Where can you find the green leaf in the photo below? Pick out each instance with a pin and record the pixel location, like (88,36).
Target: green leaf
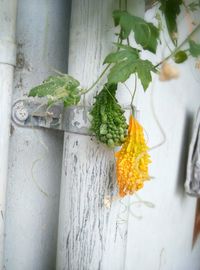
(127,63)
(171,9)
(58,88)
(194,48)
(127,47)
(144,68)
(127,53)
(121,71)
(146,34)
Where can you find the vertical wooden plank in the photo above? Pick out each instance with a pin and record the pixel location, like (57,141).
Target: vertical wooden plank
(35,155)
(89,234)
(7,62)
(89,237)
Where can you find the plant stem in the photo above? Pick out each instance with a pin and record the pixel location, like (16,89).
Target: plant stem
(98,79)
(126,8)
(100,76)
(178,48)
(135,88)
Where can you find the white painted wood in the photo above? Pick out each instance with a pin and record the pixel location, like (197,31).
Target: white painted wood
(90,236)
(162,238)
(35,156)
(88,232)
(7,61)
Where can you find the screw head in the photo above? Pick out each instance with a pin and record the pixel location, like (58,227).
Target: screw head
(20,112)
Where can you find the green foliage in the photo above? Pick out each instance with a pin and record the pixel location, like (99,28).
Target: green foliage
(127,62)
(180,57)
(58,88)
(171,9)
(146,34)
(194,48)
(108,121)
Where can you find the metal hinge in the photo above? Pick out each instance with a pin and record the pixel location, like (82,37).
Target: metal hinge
(33,112)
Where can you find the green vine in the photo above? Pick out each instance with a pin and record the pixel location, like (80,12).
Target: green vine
(121,64)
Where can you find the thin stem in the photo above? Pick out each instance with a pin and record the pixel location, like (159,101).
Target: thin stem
(126,8)
(166,43)
(101,75)
(134,92)
(178,48)
(95,83)
(109,93)
(128,89)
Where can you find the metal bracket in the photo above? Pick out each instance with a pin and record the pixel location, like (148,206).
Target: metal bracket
(33,112)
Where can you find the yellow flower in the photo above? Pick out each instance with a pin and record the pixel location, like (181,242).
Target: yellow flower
(132,160)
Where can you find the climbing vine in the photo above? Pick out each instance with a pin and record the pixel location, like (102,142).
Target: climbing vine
(108,122)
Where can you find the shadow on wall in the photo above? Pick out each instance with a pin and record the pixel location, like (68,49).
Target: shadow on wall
(182,167)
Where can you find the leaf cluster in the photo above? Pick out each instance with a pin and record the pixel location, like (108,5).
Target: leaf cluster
(171,9)
(126,62)
(108,121)
(145,33)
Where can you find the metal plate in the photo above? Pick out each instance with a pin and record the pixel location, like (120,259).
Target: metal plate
(35,112)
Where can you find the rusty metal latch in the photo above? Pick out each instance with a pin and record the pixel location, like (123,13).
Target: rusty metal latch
(33,112)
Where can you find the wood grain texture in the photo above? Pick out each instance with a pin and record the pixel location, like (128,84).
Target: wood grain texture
(35,157)
(90,236)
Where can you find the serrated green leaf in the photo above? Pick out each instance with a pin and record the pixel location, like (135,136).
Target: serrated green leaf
(127,62)
(146,34)
(122,71)
(144,68)
(127,53)
(66,79)
(126,47)
(171,9)
(116,17)
(194,48)
(58,88)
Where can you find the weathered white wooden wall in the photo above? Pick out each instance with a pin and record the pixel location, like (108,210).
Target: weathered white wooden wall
(162,238)
(158,236)
(7,63)
(35,154)
(90,236)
